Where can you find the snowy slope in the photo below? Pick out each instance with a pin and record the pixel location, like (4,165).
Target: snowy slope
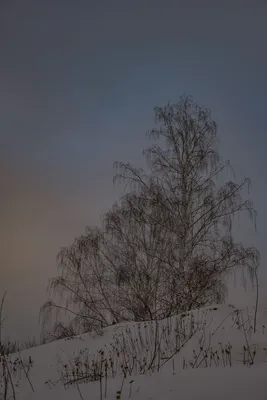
(211,353)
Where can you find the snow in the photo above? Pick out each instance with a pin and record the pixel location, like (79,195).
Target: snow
(222,359)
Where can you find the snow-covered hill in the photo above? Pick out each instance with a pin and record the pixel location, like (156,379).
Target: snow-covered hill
(211,353)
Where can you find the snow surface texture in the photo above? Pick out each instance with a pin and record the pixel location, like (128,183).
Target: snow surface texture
(211,353)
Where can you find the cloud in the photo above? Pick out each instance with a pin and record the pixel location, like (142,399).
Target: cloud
(78,81)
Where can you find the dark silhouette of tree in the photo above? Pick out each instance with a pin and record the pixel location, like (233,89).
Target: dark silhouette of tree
(167,245)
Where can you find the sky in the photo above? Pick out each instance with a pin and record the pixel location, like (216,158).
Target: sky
(78,83)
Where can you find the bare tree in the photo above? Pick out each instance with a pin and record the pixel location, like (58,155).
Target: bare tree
(167,245)
(77,290)
(198,205)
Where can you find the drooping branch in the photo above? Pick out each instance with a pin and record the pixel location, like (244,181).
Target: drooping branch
(167,244)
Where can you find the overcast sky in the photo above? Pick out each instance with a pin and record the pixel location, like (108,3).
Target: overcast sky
(78,83)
